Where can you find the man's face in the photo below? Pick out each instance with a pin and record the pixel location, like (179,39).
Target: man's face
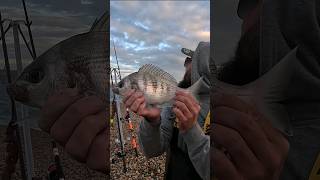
(251,18)
(186,81)
(244,66)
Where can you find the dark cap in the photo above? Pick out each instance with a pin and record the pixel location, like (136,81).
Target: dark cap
(187,52)
(244,6)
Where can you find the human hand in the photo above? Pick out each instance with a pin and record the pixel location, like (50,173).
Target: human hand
(186,109)
(80,125)
(246,145)
(136,102)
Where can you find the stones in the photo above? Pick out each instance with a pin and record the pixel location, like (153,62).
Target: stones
(138,168)
(42,154)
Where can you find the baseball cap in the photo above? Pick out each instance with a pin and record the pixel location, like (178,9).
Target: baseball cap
(244,6)
(189,54)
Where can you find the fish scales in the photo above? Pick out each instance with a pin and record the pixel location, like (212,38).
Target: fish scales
(79,61)
(157,85)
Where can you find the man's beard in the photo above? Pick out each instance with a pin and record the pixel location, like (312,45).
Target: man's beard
(186,81)
(244,67)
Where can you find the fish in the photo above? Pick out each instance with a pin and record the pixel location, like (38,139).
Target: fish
(80,61)
(158,86)
(268,93)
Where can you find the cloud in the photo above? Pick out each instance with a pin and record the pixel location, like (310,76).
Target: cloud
(154,32)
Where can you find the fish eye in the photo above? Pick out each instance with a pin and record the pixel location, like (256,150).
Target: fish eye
(35,76)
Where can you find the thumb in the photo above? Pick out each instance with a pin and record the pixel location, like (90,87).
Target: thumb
(149,113)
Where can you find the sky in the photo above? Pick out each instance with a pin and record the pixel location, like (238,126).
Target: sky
(155,31)
(52,22)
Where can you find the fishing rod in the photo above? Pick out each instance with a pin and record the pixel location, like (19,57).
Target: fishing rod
(119,123)
(117,74)
(13,139)
(115,53)
(15,133)
(28,24)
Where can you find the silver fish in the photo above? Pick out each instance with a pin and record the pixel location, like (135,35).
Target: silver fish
(158,86)
(80,61)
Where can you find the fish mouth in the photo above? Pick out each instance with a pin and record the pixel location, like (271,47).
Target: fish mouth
(19,93)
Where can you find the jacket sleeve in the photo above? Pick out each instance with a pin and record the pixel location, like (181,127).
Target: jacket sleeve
(198,146)
(154,139)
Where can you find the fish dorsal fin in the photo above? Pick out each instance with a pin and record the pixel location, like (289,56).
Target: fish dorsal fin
(157,72)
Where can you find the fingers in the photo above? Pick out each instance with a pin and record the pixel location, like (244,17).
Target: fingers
(99,153)
(188,100)
(84,134)
(142,109)
(130,99)
(55,107)
(64,126)
(238,104)
(179,114)
(222,166)
(243,158)
(186,94)
(76,123)
(137,103)
(256,149)
(184,110)
(128,94)
(246,126)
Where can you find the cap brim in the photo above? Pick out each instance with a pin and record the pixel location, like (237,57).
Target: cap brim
(187,52)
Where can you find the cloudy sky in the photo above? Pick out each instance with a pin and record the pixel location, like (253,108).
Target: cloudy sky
(52,21)
(155,31)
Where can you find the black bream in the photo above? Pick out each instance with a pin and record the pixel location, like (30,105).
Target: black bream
(80,61)
(158,86)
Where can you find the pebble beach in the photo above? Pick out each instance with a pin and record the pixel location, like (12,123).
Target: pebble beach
(137,167)
(140,167)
